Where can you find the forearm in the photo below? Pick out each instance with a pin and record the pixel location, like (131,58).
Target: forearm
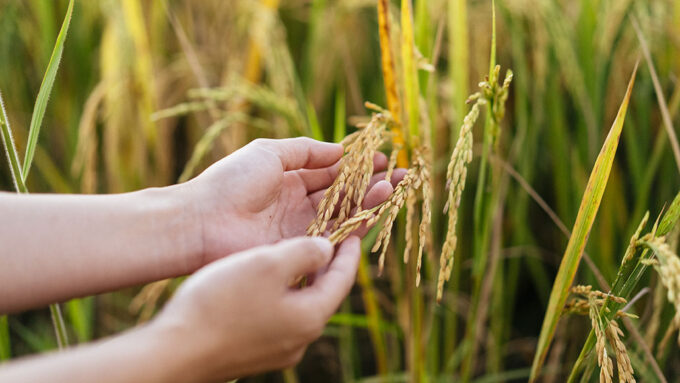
(146,354)
(54,247)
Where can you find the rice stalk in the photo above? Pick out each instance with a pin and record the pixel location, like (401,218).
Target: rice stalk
(630,273)
(456,175)
(584,221)
(591,304)
(663,105)
(390,80)
(423,161)
(410,76)
(667,264)
(459,56)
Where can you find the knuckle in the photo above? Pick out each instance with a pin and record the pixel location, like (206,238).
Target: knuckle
(302,140)
(261,142)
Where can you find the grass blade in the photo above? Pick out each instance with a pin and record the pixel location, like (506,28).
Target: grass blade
(577,242)
(10,149)
(339,128)
(411,86)
(671,217)
(44,93)
(5,345)
(663,105)
(390,79)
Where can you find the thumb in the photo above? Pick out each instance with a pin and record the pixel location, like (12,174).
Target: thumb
(302,152)
(303,255)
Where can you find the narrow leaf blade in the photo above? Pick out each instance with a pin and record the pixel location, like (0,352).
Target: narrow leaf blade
(44,92)
(590,204)
(390,79)
(670,218)
(411,86)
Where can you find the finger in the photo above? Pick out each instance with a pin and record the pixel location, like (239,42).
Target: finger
(397,176)
(377,194)
(302,255)
(316,179)
(302,152)
(332,286)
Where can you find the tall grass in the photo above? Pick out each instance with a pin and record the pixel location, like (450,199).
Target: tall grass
(214,75)
(20,171)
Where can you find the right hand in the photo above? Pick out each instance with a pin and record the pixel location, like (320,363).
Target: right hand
(239,316)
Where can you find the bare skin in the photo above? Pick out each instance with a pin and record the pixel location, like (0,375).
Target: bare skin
(237,315)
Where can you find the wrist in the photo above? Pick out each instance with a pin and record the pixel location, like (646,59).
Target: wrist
(177,227)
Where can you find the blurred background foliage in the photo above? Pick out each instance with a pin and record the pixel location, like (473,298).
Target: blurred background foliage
(146,88)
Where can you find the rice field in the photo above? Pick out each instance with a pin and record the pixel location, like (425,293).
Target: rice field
(534,236)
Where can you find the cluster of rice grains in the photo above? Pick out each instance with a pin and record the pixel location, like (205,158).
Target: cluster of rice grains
(350,186)
(591,302)
(667,264)
(493,95)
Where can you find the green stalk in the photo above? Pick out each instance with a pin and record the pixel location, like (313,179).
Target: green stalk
(590,203)
(483,205)
(339,128)
(5,345)
(372,312)
(15,167)
(458,64)
(411,84)
(628,276)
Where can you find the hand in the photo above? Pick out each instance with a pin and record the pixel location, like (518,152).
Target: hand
(268,191)
(239,315)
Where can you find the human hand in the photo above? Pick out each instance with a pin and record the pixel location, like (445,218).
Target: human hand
(268,191)
(239,315)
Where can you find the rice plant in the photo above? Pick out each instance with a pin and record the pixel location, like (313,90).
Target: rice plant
(534,236)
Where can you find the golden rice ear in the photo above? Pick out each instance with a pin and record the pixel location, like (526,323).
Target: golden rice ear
(623,365)
(424,234)
(592,304)
(392,164)
(411,199)
(667,265)
(354,176)
(456,175)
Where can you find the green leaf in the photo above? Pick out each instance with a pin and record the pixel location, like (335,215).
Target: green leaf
(10,149)
(411,85)
(590,204)
(314,126)
(5,345)
(44,93)
(670,218)
(339,127)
